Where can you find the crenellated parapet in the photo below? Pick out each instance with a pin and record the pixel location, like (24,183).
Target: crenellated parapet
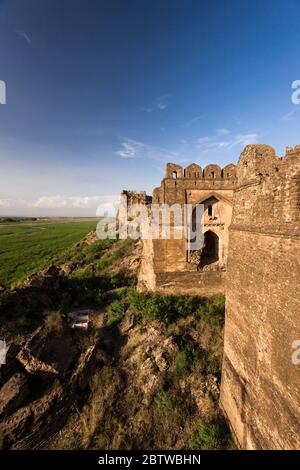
(194,171)
(229,172)
(293,152)
(174,171)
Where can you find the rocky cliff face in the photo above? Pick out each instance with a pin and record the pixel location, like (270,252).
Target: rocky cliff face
(113,386)
(142,375)
(35,401)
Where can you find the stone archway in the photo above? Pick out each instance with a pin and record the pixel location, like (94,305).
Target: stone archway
(210,251)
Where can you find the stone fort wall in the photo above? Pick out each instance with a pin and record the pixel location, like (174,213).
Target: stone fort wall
(260,390)
(173,264)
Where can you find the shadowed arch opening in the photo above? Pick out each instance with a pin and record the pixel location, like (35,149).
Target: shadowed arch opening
(210,252)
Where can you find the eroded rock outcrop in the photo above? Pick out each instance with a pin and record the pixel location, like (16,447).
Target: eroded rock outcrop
(53,368)
(48,353)
(14,393)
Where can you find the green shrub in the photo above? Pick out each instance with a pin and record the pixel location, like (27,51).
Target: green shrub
(189,355)
(213,310)
(122,293)
(93,251)
(166,308)
(110,257)
(214,436)
(117,311)
(83,253)
(213,365)
(120,279)
(85,288)
(164,401)
(181,365)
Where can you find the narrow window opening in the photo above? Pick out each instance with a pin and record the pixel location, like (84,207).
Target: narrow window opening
(209,210)
(174,175)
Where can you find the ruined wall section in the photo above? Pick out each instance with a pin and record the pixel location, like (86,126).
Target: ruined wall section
(147,275)
(260,390)
(193,185)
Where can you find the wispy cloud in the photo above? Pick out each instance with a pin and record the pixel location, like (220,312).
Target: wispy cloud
(61,205)
(134,149)
(24,35)
(214,143)
(223,131)
(159,104)
(204,140)
(50,202)
(244,139)
(290,115)
(63,201)
(215,147)
(6,203)
(191,122)
(130,148)
(162,101)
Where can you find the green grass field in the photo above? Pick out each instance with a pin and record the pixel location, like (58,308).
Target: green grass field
(26,248)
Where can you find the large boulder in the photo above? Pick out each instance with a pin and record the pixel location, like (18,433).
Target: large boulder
(48,353)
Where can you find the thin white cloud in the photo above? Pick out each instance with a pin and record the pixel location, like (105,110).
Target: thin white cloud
(160,104)
(244,139)
(191,121)
(290,115)
(24,35)
(204,140)
(162,101)
(62,201)
(148,110)
(134,149)
(223,131)
(130,148)
(6,203)
(215,144)
(59,205)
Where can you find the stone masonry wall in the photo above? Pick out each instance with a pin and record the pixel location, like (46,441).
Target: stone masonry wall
(260,390)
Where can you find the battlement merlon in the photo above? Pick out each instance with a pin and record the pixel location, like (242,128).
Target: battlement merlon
(194,171)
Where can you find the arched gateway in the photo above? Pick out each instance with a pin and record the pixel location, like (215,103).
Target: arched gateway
(210,252)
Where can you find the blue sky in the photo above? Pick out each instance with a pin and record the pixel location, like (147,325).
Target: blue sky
(101,94)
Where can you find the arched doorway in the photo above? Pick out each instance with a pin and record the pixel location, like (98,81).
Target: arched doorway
(210,251)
